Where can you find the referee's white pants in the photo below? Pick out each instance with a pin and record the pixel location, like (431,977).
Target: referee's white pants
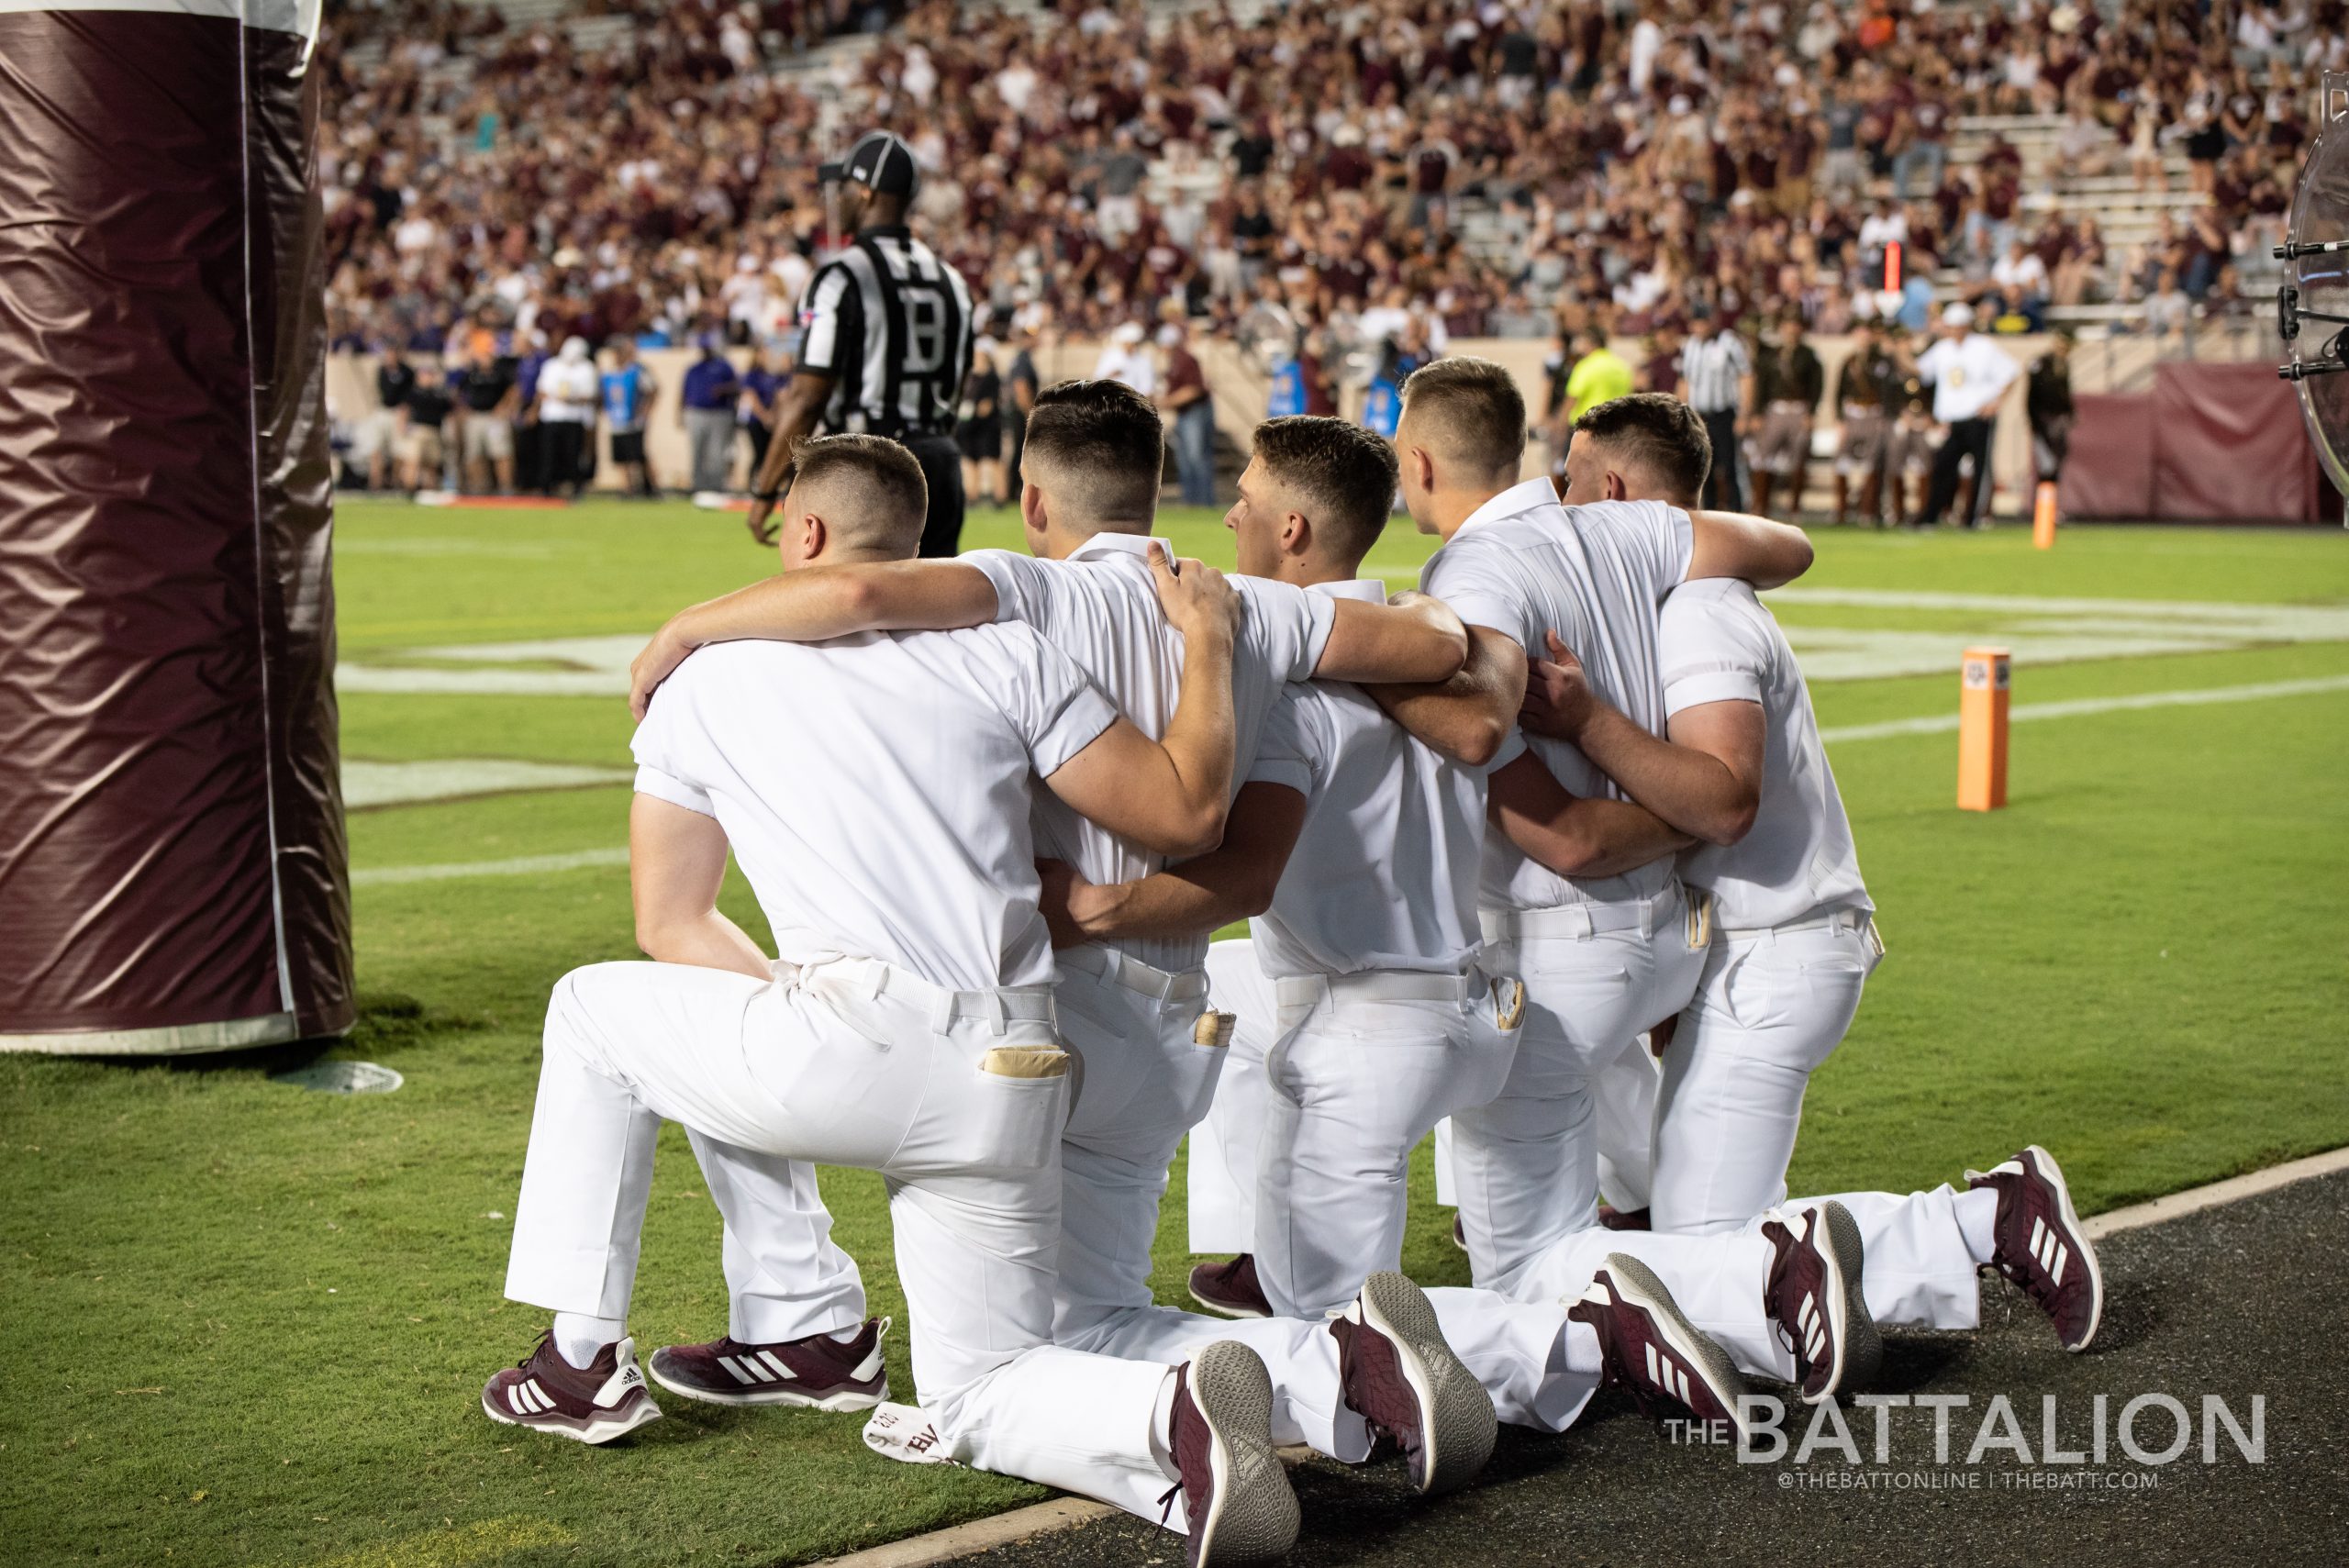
(1525,1164)
(1770,1008)
(957,1098)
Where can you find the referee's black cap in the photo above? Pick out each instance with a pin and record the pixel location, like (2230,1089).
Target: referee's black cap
(879,161)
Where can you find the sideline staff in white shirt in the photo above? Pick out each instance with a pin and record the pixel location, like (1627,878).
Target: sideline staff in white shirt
(877,790)
(1741,768)
(1970,376)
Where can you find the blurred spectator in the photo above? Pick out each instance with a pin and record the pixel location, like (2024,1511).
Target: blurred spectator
(1788,383)
(491,396)
(1969,374)
(2047,400)
(568,391)
(1021,385)
(979,427)
(394,382)
(1717,381)
(423,414)
(1187,399)
(769,373)
(628,389)
(1126,358)
(1867,384)
(706,409)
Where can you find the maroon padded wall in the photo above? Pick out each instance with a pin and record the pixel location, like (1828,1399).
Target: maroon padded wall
(172,868)
(2209,443)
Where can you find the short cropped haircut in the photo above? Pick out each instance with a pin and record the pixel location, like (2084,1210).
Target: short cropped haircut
(882,495)
(1658,433)
(1100,445)
(1343,472)
(1472,410)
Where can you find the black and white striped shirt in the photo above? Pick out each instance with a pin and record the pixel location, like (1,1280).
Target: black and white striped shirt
(1713,367)
(891,324)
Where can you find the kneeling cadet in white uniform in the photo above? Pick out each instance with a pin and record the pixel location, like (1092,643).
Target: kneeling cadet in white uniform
(1356,849)
(877,791)
(1134,1012)
(1740,768)
(1578,895)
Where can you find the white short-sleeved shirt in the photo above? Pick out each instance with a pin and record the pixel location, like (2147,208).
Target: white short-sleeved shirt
(876,788)
(1969,375)
(1100,608)
(1384,874)
(1524,564)
(1720,645)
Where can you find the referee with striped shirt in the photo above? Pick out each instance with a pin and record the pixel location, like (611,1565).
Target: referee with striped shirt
(1717,381)
(886,344)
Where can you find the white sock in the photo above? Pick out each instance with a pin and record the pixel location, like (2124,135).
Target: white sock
(1583,1352)
(1978,1221)
(578,1337)
(1162,1428)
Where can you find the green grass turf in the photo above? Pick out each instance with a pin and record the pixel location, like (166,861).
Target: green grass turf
(250,1324)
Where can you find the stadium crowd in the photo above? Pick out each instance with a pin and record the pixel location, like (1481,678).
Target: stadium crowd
(1742,156)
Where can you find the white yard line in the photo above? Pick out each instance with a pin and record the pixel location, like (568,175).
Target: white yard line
(534,865)
(526,865)
(1935,724)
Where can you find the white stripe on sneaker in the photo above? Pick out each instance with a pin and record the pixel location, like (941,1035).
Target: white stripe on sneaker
(1655,1372)
(741,1374)
(782,1369)
(2056,1270)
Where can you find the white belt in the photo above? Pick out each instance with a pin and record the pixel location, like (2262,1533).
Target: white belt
(1147,979)
(873,978)
(1381,985)
(1833,920)
(1578,922)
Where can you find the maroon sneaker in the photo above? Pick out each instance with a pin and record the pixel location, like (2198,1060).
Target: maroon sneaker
(1458,1231)
(1399,1375)
(2042,1246)
(818,1373)
(1813,1294)
(591,1404)
(1624,1218)
(1230,1290)
(1236,1497)
(1650,1351)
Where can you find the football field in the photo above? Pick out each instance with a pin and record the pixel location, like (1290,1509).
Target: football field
(264,1315)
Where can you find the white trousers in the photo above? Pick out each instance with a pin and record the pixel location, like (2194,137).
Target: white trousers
(954,1097)
(1623,1096)
(1768,1011)
(1355,1079)
(1526,1163)
(1144,1079)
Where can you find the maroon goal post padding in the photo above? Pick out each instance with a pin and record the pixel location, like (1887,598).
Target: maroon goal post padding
(172,868)
(2209,443)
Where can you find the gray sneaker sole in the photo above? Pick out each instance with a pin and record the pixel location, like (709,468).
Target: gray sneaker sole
(1253,1516)
(1637,1284)
(1864,1349)
(1457,1426)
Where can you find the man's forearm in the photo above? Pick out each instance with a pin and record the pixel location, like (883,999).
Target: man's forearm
(1689,790)
(709,941)
(1591,838)
(1202,735)
(1468,717)
(1196,898)
(815,603)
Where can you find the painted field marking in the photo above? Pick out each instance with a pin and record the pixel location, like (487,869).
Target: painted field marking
(524,865)
(2041,631)
(1935,724)
(366,783)
(531,865)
